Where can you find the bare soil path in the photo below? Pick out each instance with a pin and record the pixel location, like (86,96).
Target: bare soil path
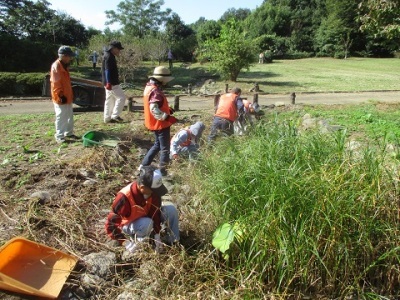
(44,105)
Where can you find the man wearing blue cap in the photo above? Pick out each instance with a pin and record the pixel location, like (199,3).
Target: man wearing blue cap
(62,95)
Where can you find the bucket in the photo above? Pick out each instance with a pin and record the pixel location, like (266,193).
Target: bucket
(30,268)
(97,138)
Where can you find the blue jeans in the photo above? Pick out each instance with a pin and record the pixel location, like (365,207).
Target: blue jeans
(161,145)
(220,124)
(142,227)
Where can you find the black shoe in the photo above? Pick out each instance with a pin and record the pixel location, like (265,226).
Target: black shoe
(163,172)
(73,137)
(119,119)
(112,121)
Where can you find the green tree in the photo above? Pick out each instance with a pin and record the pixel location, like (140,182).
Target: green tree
(181,38)
(381,17)
(138,17)
(238,14)
(231,51)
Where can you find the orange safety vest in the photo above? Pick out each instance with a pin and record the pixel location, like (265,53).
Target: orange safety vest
(150,122)
(60,83)
(227,107)
(187,142)
(137,211)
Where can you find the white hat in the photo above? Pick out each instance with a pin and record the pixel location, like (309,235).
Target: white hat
(162,74)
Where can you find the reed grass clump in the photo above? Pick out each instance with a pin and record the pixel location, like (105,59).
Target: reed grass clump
(317,218)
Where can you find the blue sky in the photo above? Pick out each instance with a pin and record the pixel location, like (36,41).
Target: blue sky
(91,12)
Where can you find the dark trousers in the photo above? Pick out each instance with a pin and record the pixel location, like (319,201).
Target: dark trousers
(161,144)
(220,124)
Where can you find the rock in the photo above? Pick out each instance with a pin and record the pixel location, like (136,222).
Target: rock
(100,264)
(90,281)
(43,197)
(90,182)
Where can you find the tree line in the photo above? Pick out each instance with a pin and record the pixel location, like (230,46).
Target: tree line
(30,32)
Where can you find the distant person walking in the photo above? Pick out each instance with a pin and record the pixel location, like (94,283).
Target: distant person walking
(261,58)
(95,57)
(170,57)
(62,95)
(115,97)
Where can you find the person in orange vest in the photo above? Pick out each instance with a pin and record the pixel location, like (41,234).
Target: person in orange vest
(185,143)
(245,117)
(62,95)
(137,213)
(229,105)
(158,117)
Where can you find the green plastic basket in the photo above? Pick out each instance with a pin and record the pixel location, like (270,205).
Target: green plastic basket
(97,138)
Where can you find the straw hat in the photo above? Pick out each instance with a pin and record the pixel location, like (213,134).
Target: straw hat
(162,74)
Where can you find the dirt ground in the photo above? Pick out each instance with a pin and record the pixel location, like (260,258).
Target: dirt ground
(18,106)
(60,196)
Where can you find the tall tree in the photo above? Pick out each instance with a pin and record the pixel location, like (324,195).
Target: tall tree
(381,18)
(238,14)
(138,17)
(181,38)
(231,51)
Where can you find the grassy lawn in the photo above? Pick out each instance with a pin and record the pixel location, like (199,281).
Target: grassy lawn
(284,76)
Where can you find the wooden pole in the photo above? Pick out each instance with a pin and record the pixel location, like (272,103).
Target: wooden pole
(130,104)
(226,88)
(176,103)
(216,101)
(255,98)
(293,97)
(189,89)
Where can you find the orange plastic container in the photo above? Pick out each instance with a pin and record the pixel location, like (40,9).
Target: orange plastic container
(34,269)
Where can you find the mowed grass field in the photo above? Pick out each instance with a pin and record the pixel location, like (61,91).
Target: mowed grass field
(322,75)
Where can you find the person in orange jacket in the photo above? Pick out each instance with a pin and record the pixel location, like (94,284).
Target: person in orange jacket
(137,213)
(62,95)
(158,117)
(229,105)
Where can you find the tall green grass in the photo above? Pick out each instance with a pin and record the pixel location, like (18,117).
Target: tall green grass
(317,218)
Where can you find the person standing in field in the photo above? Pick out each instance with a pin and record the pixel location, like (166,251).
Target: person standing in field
(229,105)
(115,97)
(158,117)
(170,58)
(95,56)
(62,95)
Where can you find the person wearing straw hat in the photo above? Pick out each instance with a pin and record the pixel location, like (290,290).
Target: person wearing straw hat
(185,143)
(137,213)
(158,117)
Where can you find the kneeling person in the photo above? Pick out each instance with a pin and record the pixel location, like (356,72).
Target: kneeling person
(137,212)
(185,143)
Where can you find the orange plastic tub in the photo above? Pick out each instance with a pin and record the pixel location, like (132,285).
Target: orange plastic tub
(34,269)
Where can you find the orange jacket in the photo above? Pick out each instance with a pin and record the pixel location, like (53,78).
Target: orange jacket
(150,122)
(60,83)
(227,108)
(130,205)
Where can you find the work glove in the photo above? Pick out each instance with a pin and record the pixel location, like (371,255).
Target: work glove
(63,99)
(108,86)
(171,111)
(171,119)
(158,243)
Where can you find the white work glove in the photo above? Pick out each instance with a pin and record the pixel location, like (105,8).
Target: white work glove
(130,245)
(159,245)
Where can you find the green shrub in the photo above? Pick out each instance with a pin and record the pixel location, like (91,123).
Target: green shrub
(21,84)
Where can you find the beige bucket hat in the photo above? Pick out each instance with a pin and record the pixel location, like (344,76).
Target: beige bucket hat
(162,74)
